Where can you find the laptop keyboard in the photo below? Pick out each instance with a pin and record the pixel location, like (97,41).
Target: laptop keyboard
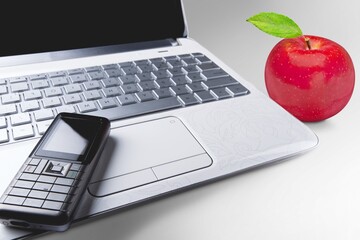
(116,91)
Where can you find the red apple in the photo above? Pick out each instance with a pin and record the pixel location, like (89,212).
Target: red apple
(310,76)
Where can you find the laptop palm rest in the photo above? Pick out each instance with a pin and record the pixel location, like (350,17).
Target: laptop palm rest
(147,152)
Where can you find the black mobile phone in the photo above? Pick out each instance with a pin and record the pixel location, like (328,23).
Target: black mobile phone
(46,191)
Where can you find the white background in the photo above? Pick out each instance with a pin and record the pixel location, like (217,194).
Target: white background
(313,196)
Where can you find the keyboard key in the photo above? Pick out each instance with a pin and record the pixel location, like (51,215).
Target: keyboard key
(111,92)
(97,75)
(3,89)
(126,99)
(145,76)
(10,98)
(4,135)
(114,72)
(219,82)
(20,118)
(131,78)
(214,73)
(195,77)
(187,99)
(23,131)
(204,96)
(162,93)
(73,88)
(8,109)
(43,114)
(40,84)
(78,78)
(38,76)
(110,82)
(107,103)
(57,74)
(91,85)
(51,92)
(66,108)
(129,88)
(33,94)
(51,102)
(87,107)
(146,86)
(178,90)
(237,90)
(195,87)
(144,96)
(220,93)
(92,95)
(28,106)
(3,123)
(17,79)
(72,98)
(19,87)
(59,81)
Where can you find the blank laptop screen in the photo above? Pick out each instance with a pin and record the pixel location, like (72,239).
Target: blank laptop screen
(41,26)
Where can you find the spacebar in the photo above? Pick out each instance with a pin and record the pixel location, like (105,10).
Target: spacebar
(138,108)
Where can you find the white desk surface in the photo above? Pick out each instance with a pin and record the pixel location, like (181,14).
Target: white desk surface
(312,196)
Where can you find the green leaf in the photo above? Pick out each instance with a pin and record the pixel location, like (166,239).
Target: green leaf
(275,24)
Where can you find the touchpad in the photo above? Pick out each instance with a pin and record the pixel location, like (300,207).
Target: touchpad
(146,152)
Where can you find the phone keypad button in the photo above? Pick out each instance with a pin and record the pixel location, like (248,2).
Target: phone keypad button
(38,194)
(46,179)
(14,200)
(40,167)
(64,181)
(61,189)
(71,174)
(19,192)
(24,184)
(32,202)
(42,186)
(52,205)
(34,161)
(30,169)
(29,177)
(57,197)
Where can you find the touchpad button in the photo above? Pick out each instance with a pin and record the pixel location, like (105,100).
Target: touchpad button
(164,146)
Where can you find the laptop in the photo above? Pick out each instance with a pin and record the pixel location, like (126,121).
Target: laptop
(180,117)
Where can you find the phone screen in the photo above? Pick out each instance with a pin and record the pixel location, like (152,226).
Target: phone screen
(69,139)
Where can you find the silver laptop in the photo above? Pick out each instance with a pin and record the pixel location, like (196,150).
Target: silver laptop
(179,116)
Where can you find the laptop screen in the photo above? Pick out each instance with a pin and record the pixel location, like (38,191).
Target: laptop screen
(43,26)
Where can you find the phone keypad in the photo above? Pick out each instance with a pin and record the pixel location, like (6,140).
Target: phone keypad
(45,184)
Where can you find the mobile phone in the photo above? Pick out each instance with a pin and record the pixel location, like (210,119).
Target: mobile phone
(45,192)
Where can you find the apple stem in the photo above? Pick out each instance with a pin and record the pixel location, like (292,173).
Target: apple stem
(307,40)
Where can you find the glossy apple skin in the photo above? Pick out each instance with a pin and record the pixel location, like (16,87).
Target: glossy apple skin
(312,84)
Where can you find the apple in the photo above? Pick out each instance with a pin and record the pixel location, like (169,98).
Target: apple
(311,77)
